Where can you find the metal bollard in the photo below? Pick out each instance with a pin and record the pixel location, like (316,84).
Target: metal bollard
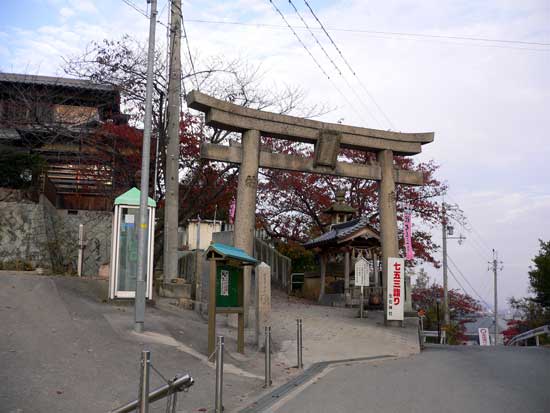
(267,357)
(299,342)
(219,375)
(144,382)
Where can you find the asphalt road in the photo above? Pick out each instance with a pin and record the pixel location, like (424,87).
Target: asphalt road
(61,352)
(441,379)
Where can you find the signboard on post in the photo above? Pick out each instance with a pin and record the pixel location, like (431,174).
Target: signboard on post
(396,295)
(484,337)
(361,272)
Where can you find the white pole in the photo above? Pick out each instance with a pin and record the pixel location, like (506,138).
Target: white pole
(80,249)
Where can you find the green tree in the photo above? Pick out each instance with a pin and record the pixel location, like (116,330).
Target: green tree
(539,276)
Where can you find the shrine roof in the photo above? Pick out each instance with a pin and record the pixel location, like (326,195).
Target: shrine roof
(343,232)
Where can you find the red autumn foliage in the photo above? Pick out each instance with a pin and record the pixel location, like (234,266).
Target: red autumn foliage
(290,204)
(515,327)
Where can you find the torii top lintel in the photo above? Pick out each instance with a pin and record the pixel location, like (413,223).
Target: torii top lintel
(229,116)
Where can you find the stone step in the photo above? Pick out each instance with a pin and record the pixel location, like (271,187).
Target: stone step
(176,290)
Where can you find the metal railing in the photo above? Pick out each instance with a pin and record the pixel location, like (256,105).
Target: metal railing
(141,404)
(536,332)
(442,335)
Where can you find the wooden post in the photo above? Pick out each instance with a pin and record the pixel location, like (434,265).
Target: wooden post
(347,293)
(323,275)
(212,308)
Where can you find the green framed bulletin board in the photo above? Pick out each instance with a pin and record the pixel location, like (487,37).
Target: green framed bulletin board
(226,288)
(229,283)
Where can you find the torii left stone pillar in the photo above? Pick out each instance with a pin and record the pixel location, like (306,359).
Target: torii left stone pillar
(245,214)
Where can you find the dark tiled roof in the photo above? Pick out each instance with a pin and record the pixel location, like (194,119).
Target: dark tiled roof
(55,81)
(340,231)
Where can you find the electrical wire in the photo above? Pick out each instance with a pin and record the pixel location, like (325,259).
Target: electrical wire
(313,58)
(466,280)
(384,33)
(357,96)
(350,68)
(188,47)
(299,39)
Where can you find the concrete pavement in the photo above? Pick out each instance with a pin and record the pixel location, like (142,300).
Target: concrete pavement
(63,350)
(441,379)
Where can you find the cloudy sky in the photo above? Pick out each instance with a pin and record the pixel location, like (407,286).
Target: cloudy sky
(487,101)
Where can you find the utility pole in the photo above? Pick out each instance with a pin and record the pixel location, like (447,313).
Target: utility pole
(171,208)
(494,265)
(447,230)
(446,315)
(143,230)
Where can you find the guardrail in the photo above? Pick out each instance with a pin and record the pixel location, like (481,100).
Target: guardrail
(443,338)
(536,332)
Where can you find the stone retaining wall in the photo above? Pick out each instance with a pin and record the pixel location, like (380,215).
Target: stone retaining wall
(47,237)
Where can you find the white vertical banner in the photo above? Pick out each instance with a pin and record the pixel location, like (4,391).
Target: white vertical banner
(396,294)
(484,337)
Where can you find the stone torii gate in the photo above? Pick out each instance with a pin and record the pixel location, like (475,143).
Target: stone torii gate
(328,138)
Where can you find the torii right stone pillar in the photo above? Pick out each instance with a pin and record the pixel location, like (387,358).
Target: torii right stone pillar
(388,218)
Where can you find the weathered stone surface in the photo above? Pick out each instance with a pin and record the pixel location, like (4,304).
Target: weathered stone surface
(387,208)
(327,148)
(238,123)
(245,213)
(263,301)
(232,154)
(47,237)
(287,125)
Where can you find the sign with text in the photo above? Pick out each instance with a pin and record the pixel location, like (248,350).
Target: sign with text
(224,283)
(484,337)
(396,295)
(361,272)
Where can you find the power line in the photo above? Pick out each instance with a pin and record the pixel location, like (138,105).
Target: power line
(401,34)
(143,12)
(329,37)
(315,37)
(349,66)
(481,242)
(136,8)
(332,61)
(313,58)
(468,282)
(188,47)
(184,35)
(299,39)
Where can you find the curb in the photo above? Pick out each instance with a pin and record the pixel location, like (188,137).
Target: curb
(273,397)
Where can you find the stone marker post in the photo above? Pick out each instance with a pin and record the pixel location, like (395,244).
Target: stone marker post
(263,301)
